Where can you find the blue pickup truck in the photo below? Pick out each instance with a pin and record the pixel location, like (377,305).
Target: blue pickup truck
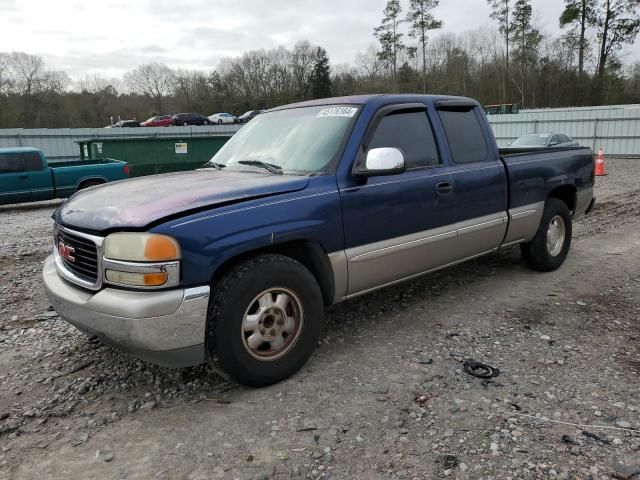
(26,176)
(308,205)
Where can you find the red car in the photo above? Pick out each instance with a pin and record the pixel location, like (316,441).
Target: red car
(160,121)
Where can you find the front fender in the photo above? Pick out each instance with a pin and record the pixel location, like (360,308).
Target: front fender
(211,238)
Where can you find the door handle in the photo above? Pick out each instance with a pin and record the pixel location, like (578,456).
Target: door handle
(444,188)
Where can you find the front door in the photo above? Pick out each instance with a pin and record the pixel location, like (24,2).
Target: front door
(400,225)
(14,181)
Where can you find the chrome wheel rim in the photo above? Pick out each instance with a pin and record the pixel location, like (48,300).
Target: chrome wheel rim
(555,235)
(272,324)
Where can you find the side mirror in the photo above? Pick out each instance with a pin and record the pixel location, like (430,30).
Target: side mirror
(553,144)
(382,161)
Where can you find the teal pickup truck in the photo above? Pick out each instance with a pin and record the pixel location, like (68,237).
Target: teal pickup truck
(26,176)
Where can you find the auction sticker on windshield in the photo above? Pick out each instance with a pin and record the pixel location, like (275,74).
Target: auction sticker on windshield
(337,112)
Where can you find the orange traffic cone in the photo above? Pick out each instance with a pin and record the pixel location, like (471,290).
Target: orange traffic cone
(600,172)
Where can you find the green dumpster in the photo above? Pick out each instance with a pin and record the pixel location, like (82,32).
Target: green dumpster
(153,155)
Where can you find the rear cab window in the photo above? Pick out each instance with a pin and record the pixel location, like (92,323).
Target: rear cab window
(11,163)
(410,132)
(465,136)
(32,161)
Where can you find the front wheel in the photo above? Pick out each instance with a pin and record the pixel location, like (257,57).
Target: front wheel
(264,320)
(550,246)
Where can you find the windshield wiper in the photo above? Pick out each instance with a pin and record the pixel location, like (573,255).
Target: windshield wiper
(260,164)
(217,166)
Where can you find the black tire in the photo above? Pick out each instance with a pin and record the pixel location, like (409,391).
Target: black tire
(219,122)
(185,124)
(90,183)
(536,253)
(234,296)
(206,122)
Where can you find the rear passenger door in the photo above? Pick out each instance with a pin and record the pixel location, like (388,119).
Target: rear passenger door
(479,179)
(14,182)
(400,225)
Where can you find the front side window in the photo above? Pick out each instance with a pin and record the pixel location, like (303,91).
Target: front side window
(11,163)
(411,133)
(296,140)
(465,136)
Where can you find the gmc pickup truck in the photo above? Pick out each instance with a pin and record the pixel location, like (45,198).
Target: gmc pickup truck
(308,205)
(26,176)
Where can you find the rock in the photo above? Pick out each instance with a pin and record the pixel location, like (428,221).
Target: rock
(4,415)
(623,424)
(148,405)
(545,337)
(83,387)
(448,433)
(359,439)
(575,450)
(463,467)
(581,303)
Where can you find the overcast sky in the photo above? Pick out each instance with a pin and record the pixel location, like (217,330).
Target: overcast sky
(109,37)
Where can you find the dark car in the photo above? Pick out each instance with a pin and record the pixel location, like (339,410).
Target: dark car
(126,124)
(543,140)
(190,119)
(159,121)
(248,116)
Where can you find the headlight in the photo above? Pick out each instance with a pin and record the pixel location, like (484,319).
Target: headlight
(142,260)
(141,247)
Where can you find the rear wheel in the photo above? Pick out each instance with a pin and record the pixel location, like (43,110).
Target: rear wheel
(549,248)
(185,123)
(264,319)
(220,122)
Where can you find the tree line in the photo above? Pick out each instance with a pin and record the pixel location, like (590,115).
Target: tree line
(512,62)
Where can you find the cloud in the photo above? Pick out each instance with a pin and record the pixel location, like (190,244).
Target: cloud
(112,37)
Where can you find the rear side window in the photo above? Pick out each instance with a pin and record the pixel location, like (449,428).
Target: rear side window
(11,163)
(465,136)
(411,133)
(32,161)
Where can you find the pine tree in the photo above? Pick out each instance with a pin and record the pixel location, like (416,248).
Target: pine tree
(525,40)
(580,15)
(501,10)
(321,75)
(390,39)
(421,21)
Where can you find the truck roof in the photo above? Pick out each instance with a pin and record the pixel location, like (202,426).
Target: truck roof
(19,149)
(379,98)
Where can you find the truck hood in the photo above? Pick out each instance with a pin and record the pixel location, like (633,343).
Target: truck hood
(136,203)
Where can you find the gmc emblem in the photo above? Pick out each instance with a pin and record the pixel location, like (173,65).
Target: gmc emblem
(66,252)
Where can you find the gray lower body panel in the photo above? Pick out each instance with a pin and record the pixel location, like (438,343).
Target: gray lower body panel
(163,327)
(365,268)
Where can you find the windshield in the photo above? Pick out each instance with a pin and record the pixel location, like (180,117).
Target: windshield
(297,140)
(532,140)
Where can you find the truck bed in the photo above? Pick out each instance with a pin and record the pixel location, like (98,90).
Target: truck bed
(533,172)
(82,163)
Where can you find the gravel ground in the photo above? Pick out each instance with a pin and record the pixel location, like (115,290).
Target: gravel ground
(384,396)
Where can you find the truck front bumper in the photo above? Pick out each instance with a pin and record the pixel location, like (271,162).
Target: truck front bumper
(163,327)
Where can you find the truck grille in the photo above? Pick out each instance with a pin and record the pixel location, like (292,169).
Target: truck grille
(85,255)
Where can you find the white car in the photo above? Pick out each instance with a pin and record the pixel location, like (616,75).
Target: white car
(223,119)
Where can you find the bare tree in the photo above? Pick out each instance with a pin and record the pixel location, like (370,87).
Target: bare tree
(28,73)
(154,80)
(5,73)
